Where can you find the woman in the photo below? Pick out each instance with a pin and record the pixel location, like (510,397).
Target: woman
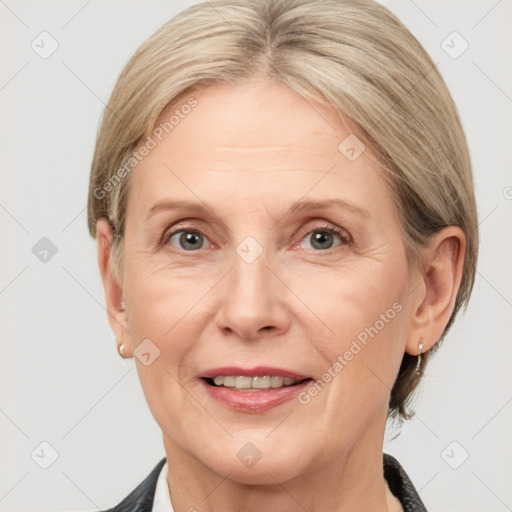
(283,203)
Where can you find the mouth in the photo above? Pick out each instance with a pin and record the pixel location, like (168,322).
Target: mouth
(253,390)
(246,383)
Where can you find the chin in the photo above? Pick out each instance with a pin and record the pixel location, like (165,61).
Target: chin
(262,473)
(248,464)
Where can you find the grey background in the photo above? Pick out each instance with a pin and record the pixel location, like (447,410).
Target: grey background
(62,381)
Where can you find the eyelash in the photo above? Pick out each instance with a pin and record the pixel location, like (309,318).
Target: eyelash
(345,238)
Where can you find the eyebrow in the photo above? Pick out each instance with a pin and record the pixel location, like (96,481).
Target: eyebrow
(299,206)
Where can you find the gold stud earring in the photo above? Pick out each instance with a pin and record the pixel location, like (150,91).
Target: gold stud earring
(121,351)
(418,363)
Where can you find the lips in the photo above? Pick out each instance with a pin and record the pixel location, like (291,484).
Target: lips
(252,390)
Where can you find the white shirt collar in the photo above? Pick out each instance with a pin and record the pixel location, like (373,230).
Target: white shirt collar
(162,500)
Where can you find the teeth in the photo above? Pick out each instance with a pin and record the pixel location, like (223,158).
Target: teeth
(276,382)
(243,383)
(261,382)
(228,381)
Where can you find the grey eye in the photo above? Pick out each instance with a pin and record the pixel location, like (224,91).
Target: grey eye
(187,240)
(322,239)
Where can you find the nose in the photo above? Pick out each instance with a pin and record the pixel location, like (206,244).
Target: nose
(253,299)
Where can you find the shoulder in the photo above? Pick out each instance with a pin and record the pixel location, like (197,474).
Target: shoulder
(141,498)
(401,486)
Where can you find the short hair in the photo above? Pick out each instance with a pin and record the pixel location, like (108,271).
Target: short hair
(351,55)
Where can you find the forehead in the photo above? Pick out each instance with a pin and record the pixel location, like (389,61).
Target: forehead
(261,138)
(256,117)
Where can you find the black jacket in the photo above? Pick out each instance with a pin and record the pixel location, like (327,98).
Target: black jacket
(141,498)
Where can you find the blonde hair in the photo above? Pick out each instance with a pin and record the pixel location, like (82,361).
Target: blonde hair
(352,55)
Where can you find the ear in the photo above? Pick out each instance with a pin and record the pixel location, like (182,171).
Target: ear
(434,299)
(113,290)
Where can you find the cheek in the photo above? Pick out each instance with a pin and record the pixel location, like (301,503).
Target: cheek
(366,311)
(164,299)
(168,315)
(166,321)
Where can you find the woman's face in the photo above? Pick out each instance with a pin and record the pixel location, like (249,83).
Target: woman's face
(257,246)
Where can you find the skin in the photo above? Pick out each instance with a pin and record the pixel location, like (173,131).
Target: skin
(250,153)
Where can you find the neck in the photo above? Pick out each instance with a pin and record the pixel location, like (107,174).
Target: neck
(338,483)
